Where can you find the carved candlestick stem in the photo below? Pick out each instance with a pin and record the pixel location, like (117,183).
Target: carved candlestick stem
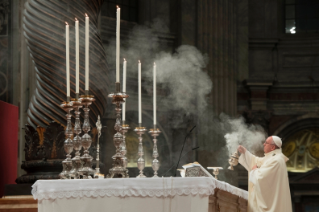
(125,129)
(77,145)
(68,143)
(86,159)
(155,164)
(140,161)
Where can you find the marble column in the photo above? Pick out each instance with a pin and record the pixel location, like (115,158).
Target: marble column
(217,37)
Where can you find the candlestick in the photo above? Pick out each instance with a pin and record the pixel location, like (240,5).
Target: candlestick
(87,46)
(140,161)
(154,93)
(99,128)
(139,93)
(67,63)
(155,164)
(77,141)
(118,20)
(86,139)
(77,59)
(125,128)
(118,170)
(124,89)
(68,143)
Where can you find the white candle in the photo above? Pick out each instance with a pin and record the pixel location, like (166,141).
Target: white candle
(77,60)
(67,56)
(118,20)
(154,93)
(139,93)
(124,89)
(87,46)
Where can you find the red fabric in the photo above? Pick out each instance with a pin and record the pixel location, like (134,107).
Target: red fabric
(9,118)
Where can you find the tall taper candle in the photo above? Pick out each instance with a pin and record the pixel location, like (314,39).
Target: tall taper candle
(139,93)
(67,56)
(154,93)
(124,89)
(87,46)
(77,57)
(118,20)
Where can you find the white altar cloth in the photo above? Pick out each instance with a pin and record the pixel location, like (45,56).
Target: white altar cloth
(132,194)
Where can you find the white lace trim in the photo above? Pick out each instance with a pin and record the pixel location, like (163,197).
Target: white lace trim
(117,193)
(58,189)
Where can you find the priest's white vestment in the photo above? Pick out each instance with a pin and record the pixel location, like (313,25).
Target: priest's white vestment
(268,185)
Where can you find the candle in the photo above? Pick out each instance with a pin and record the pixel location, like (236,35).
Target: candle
(87,42)
(118,20)
(77,60)
(139,93)
(124,89)
(154,93)
(67,56)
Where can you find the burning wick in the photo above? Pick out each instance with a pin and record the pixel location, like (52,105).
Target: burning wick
(76,19)
(117,7)
(86,15)
(66,23)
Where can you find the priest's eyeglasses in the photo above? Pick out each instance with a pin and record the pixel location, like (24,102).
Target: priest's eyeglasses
(269,143)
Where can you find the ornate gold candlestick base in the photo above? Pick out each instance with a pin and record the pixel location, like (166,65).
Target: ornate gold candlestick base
(86,139)
(155,164)
(118,170)
(68,143)
(140,161)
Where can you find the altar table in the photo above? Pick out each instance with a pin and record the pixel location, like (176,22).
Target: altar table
(130,194)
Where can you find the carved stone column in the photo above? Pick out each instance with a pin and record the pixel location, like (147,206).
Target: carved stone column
(217,37)
(44,30)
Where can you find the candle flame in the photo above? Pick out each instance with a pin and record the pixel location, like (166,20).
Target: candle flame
(86,15)
(66,23)
(117,7)
(139,61)
(76,19)
(124,59)
(154,64)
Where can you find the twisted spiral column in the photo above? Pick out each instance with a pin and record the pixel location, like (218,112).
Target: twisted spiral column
(44,30)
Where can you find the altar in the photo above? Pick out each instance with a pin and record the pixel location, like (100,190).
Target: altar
(139,194)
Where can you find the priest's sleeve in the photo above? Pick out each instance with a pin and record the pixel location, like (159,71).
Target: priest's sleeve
(247,160)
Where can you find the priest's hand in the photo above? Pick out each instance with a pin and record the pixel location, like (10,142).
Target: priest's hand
(254,167)
(241,149)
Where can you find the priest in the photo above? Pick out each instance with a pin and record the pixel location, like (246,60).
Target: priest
(268,185)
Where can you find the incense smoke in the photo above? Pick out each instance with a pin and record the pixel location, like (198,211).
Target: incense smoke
(186,85)
(249,136)
(180,73)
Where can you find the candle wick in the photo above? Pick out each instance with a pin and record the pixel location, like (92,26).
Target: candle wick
(66,23)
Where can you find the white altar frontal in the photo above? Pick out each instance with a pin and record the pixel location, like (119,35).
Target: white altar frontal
(138,194)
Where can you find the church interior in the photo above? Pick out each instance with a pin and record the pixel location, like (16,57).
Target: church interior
(242,68)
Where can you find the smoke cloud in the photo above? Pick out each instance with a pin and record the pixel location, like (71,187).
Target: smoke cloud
(180,73)
(239,133)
